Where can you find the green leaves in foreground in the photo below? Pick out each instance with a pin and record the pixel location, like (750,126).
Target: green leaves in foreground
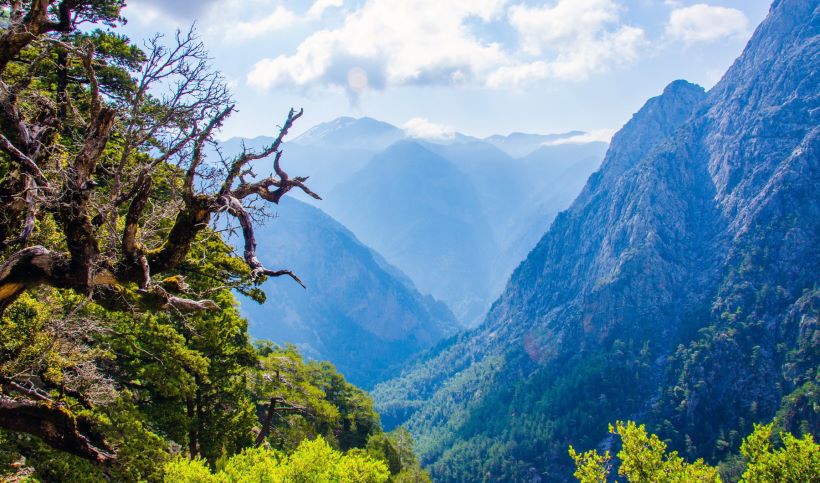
(798,460)
(312,461)
(644,459)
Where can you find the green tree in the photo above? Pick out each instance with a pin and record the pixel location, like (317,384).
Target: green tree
(109,261)
(643,459)
(797,460)
(396,450)
(313,461)
(590,466)
(301,400)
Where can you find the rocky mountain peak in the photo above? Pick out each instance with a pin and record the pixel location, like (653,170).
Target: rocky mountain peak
(657,120)
(668,293)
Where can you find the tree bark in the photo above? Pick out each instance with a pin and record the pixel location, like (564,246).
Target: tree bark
(56,426)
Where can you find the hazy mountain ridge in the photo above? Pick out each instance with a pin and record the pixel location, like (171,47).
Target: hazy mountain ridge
(422,213)
(680,288)
(505,205)
(465,258)
(358,312)
(351,133)
(519,144)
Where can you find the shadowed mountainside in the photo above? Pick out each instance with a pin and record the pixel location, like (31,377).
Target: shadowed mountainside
(679,289)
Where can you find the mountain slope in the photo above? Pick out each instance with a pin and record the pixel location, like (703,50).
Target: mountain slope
(458,217)
(521,196)
(423,215)
(357,312)
(515,198)
(679,289)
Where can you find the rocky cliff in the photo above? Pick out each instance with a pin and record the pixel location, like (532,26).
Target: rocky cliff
(679,289)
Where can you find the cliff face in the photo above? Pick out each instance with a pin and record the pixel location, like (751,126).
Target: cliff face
(680,288)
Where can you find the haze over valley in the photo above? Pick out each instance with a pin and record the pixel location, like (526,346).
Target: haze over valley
(410,241)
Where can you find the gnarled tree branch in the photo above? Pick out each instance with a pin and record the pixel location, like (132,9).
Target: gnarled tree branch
(235,208)
(56,426)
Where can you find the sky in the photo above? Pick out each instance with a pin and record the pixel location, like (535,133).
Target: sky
(479,67)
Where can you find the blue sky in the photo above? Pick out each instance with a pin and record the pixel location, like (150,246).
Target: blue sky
(475,66)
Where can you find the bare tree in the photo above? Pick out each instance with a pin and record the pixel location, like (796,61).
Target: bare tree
(122,173)
(172,127)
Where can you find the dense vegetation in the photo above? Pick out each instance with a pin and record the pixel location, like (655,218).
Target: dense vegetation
(643,458)
(667,293)
(122,353)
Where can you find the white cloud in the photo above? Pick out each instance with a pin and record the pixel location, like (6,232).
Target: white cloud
(705,23)
(599,135)
(319,7)
(566,22)
(401,42)
(395,42)
(279,19)
(421,128)
(178,9)
(573,39)
(513,75)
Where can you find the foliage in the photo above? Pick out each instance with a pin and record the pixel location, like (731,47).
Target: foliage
(396,450)
(310,399)
(798,460)
(643,459)
(195,384)
(313,460)
(590,466)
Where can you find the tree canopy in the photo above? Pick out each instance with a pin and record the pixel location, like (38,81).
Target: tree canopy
(107,189)
(643,459)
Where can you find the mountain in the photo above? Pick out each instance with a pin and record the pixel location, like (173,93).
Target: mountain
(502,215)
(468,230)
(456,138)
(519,144)
(679,289)
(521,196)
(351,133)
(357,311)
(423,214)
(329,152)
(504,206)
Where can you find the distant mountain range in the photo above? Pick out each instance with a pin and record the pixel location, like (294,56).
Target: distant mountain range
(520,197)
(456,215)
(680,289)
(424,215)
(358,311)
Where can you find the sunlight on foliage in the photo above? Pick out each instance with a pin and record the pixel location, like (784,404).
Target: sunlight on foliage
(312,461)
(798,460)
(643,459)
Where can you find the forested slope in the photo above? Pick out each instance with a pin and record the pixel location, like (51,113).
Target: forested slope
(679,289)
